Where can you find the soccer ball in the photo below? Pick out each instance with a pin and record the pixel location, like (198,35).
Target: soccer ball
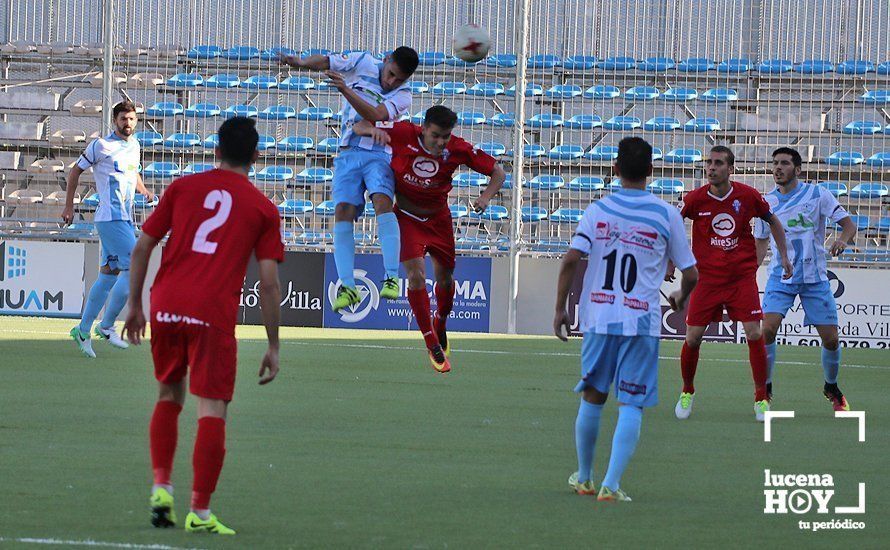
(471,43)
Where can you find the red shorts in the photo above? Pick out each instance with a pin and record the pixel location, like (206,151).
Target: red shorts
(433,234)
(208,355)
(740,298)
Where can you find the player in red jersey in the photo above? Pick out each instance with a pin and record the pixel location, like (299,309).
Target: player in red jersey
(424,159)
(215,220)
(724,248)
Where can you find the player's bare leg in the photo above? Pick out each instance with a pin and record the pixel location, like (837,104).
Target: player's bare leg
(390,244)
(587,425)
(688,365)
(759,369)
(831,362)
(163,435)
(444,302)
(420,306)
(207,461)
(344,255)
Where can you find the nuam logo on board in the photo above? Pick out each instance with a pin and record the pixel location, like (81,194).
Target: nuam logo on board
(809,493)
(14,265)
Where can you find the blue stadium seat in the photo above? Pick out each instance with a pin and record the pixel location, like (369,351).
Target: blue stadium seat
(148,139)
(259,82)
(365,239)
(884,68)
(664,186)
(185,80)
(161,170)
(845,158)
(470,118)
(678,94)
(546,183)
(242,53)
(622,122)
(869,191)
(683,156)
(165,109)
(417,118)
(211,141)
(836,188)
(563,91)
(487,89)
(197,168)
(472,244)
(278,112)
(315,51)
(617,63)
(567,215)
(292,208)
(502,119)
(862,222)
(876,97)
(508,181)
(141,202)
(614,185)
(90,203)
(315,113)
(566,152)
(602,153)
(879,160)
(469,179)
(459,211)
(182,140)
(275,173)
(203,110)
(586,184)
(325,208)
(657,64)
(315,175)
(272,54)
(657,154)
(493,148)
(533,151)
(265,142)
(312,237)
(695,65)
(532,214)
(720,95)
(295,144)
(641,93)
(240,110)
(301,83)
(584,122)
(551,245)
(775,66)
(503,60)
(493,213)
(545,120)
(224,80)
(661,124)
(815,66)
(855,66)
(579,63)
(383,54)
(544,61)
(703,124)
(734,65)
(458,62)
(418,87)
(449,88)
(204,52)
(328,146)
(863,127)
(431,59)
(83,228)
(531,90)
(602,92)
(883,226)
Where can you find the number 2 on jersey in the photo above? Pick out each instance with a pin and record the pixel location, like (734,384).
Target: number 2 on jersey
(213,198)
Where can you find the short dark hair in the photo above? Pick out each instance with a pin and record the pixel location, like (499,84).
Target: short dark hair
(238,139)
(730,156)
(634,158)
(795,156)
(123,107)
(406,58)
(441,116)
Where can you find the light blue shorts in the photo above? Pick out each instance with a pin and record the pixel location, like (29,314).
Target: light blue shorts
(358,170)
(117,239)
(817,300)
(630,361)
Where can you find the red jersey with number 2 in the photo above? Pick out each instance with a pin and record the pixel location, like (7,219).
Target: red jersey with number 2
(216,219)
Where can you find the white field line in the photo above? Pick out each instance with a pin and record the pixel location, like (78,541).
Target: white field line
(93,543)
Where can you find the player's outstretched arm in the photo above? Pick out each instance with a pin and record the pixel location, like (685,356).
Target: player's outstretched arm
(364,109)
(778,233)
(71,181)
(498,177)
(367,129)
(567,269)
(312,62)
(848,232)
(270,304)
(688,280)
(134,326)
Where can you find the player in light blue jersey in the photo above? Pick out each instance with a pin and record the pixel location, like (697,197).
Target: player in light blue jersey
(115,163)
(372,90)
(805,210)
(629,237)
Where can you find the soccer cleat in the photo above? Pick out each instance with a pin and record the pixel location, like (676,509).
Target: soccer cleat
(111,336)
(390,289)
(760,409)
(83,342)
(346,296)
(586,488)
(438,360)
(834,394)
(194,524)
(684,405)
(615,496)
(441,334)
(162,514)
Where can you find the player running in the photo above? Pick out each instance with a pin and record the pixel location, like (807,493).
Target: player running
(115,163)
(721,214)
(215,220)
(803,209)
(629,236)
(424,159)
(372,90)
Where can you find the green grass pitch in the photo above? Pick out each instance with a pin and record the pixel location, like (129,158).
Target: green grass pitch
(360,444)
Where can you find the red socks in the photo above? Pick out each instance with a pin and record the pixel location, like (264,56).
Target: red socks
(207,462)
(757,355)
(162,433)
(688,364)
(444,302)
(420,305)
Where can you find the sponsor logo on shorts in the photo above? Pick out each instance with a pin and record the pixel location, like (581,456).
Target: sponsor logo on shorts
(164,317)
(631,388)
(756,312)
(602,298)
(633,303)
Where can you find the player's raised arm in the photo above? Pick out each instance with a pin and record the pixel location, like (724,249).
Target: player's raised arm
(310,63)
(270,305)
(365,128)
(134,327)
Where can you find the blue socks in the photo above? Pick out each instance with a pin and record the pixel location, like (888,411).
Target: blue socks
(95,301)
(118,299)
(624,443)
(344,252)
(771,361)
(831,363)
(390,244)
(587,426)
